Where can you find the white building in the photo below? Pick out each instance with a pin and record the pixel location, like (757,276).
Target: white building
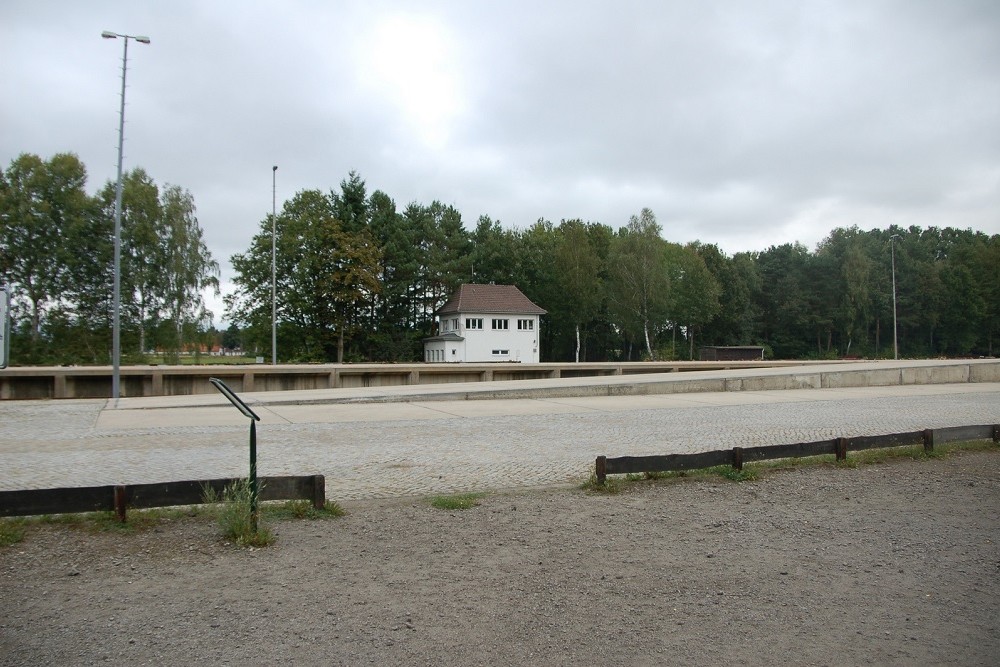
(486,323)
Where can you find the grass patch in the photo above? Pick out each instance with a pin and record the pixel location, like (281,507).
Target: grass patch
(303,509)
(11,531)
(610,485)
(460,501)
(748,474)
(231,509)
(234,516)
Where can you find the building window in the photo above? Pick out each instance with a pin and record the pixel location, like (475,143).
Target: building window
(501,325)
(473,323)
(501,352)
(526,325)
(454,324)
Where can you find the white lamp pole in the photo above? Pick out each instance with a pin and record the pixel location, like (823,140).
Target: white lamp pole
(116,351)
(274,285)
(895,340)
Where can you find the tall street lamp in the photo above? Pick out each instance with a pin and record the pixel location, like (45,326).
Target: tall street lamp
(116,352)
(895,340)
(274,285)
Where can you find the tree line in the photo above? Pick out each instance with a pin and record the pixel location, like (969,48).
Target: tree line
(57,256)
(359,278)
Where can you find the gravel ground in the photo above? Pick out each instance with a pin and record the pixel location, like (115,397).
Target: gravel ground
(889,564)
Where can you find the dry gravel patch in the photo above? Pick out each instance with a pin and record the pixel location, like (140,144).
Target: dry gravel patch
(888,564)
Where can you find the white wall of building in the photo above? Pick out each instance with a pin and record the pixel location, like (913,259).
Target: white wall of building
(488,337)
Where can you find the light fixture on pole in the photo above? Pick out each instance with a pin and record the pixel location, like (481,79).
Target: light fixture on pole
(895,341)
(116,351)
(274,285)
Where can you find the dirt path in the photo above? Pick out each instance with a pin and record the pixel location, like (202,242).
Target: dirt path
(892,564)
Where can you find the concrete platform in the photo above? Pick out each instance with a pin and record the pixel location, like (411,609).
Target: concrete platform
(860,374)
(427,439)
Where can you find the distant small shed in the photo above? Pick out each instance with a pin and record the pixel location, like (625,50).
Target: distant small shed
(731,353)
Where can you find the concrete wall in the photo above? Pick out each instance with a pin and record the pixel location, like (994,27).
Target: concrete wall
(95,382)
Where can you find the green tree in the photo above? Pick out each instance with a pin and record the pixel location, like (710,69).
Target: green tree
(786,300)
(694,291)
(232,338)
(42,204)
(188,268)
(639,283)
(577,269)
(494,253)
(848,271)
(142,250)
(737,321)
(325,277)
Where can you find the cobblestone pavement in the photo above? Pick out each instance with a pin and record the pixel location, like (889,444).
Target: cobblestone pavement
(455,446)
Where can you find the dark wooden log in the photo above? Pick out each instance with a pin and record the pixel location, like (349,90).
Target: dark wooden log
(963,433)
(667,462)
(879,441)
(796,450)
(57,501)
(140,496)
(601,468)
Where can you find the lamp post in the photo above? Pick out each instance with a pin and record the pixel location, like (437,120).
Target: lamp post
(274,285)
(116,351)
(895,341)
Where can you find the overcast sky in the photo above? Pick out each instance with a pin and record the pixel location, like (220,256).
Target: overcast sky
(745,124)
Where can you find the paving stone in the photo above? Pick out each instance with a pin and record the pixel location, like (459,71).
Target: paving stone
(45,444)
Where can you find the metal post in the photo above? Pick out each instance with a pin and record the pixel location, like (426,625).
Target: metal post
(254,418)
(116,306)
(116,350)
(274,286)
(895,340)
(253,475)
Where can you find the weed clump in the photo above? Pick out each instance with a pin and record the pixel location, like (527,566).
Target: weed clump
(610,485)
(11,531)
(461,501)
(304,509)
(235,516)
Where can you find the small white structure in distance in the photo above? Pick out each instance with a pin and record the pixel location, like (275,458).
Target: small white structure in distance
(486,323)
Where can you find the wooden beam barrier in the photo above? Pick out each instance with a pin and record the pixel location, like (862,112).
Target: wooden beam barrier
(738,456)
(965,433)
(120,498)
(864,442)
(792,451)
(667,462)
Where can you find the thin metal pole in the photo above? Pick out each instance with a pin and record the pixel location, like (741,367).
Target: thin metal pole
(116,307)
(274,286)
(895,341)
(253,475)
(116,347)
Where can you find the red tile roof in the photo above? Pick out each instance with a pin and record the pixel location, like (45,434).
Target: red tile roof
(490,299)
